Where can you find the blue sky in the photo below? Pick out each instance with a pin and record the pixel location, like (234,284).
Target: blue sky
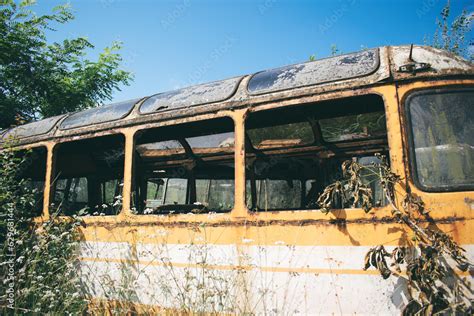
(171,44)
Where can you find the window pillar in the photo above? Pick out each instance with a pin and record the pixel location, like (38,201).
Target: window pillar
(48,181)
(240,208)
(127,172)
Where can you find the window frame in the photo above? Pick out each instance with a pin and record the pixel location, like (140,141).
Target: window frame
(44,209)
(53,176)
(169,124)
(374,92)
(412,166)
(240,210)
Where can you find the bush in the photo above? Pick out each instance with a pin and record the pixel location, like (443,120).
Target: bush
(38,257)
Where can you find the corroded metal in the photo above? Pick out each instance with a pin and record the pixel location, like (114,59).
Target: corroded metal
(442,63)
(33,129)
(306,247)
(315,72)
(101,114)
(232,94)
(200,94)
(322,222)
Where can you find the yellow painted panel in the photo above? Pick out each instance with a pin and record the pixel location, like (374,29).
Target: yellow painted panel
(302,234)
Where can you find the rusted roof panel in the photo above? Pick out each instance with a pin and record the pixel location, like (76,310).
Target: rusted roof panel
(33,129)
(315,72)
(101,114)
(349,71)
(441,62)
(200,94)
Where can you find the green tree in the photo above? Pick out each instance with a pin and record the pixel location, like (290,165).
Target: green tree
(40,79)
(451,33)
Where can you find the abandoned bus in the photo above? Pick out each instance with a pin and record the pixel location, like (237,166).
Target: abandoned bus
(205,198)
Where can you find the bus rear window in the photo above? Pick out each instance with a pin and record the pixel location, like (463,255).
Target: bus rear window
(442,130)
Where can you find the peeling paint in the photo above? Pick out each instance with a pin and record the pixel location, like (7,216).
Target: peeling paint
(303,83)
(315,72)
(442,62)
(101,114)
(34,128)
(191,96)
(469,202)
(263,223)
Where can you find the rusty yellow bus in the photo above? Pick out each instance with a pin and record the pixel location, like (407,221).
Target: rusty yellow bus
(203,198)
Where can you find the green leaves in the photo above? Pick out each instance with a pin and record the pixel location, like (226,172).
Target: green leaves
(40,79)
(36,257)
(451,33)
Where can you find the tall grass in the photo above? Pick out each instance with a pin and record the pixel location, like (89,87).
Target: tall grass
(37,260)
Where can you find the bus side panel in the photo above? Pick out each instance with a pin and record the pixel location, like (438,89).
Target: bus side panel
(274,268)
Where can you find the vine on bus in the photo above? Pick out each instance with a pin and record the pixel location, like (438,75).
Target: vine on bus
(430,258)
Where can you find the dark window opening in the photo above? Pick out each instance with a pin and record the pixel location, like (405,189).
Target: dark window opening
(442,135)
(185,168)
(88,176)
(293,153)
(31,173)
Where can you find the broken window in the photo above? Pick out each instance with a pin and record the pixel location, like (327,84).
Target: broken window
(88,176)
(31,173)
(293,153)
(185,168)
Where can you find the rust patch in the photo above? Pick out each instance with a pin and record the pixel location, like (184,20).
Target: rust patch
(469,202)
(263,223)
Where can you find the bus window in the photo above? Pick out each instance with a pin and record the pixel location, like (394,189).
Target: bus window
(442,132)
(32,171)
(155,192)
(356,126)
(88,176)
(274,194)
(71,191)
(175,191)
(294,152)
(220,194)
(185,168)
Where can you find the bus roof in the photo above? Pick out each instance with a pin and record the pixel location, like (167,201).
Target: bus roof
(349,71)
